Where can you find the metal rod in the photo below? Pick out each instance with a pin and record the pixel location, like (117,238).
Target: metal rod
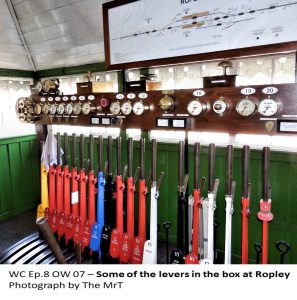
(142,158)
(266,158)
(130,157)
(58,148)
(48,236)
(100,153)
(245,171)
(196,165)
(119,155)
(154,160)
(211,166)
(74,154)
(109,155)
(66,149)
(181,171)
(91,151)
(229,171)
(82,152)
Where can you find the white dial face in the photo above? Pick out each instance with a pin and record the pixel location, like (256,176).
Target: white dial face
(195,108)
(68,109)
(143,95)
(42,99)
(86,108)
(246,107)
(219,106)
(120,96)
(58,98)
(65,98)
(60,109)
(91,97)
(53,109)
(37,109)
(115,108)
(50,99)
(138,108)
(268,107)
(81,98)
(73,98)
(45,109)
(131,96)
(126,108)
(76,108)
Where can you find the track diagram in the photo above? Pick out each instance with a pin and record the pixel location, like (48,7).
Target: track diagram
(151,29)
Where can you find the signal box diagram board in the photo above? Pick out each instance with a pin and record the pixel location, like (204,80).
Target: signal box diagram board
(149,30)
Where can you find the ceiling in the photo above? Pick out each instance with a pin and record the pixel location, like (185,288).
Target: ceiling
(56,33)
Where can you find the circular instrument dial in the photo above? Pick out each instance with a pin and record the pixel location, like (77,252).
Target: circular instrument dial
(115,108)
(76,109)
(268,107)
(37,109)
(22,117)
(166,104)
(21,103)
(219,106)
(58,98)
(138,108)
(65,98)
(53,109)
(73,98)
(60,109)
(45,109)
(91,97)
(104,102)
(68,109)
(195,108)
(126,108)
(246,107)
(86,108)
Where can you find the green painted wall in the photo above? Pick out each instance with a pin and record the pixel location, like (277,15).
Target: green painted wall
(19,175)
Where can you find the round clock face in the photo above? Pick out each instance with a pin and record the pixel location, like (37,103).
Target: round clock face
(138,108)
(86,108)
(115,108)
(45,109)
(246,107)
(37,109)
(195,108)
(68,109)
(60,109)
(53,109)
(126,108)
(166,104)
(268,107)
(76,109)
(219,106)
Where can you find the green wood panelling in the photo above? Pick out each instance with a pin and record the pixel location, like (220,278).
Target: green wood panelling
(19,175)
(96,67)
(16,73)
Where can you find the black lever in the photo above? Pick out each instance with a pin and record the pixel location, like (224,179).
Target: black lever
(283,247)
(258,249)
